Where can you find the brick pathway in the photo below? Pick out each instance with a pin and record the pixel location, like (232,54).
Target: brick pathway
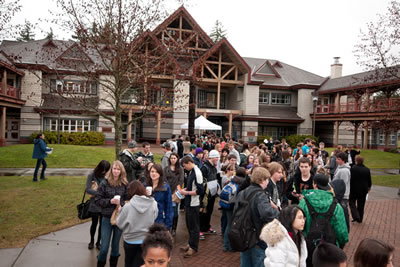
(382,221)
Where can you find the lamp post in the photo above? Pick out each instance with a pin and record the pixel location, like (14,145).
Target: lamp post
(315,101)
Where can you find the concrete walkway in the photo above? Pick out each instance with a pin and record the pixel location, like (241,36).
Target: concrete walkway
(68,247)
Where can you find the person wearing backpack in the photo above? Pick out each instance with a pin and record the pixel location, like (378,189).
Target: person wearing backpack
(227,201)
(325,219)
(252,210)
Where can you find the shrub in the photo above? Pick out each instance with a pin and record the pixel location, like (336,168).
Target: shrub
(294,139)
(75,138)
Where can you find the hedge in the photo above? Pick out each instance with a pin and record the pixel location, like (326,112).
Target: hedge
(292,140)
(75,138)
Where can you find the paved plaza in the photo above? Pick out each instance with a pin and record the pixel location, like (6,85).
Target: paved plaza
(68,247)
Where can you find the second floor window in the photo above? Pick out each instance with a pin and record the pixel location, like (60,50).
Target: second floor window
(73,87)
(263,98)
(281,99)
(209,99)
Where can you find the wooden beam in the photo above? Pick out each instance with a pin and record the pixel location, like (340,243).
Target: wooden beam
(336,134)
(211,71)
(4,83)
(228,72)
(177,29)
(230,124)
(180,28)
(356,125)
(219,78)
(223,63)
(223,81)
(236,74)
(172,38)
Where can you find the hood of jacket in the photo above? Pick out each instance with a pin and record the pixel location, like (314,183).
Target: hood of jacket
(141,203)
(339,187)
(319,199)
(126,152)
(36,141)
(344,166)
(273,232)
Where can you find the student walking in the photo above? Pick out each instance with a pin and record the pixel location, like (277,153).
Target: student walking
(40,151)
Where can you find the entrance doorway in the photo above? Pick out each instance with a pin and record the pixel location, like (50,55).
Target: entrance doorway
(12,130)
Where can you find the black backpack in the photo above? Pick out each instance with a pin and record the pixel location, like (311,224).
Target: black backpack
(243,233)
(321,229)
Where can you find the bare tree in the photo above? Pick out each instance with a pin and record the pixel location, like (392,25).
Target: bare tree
(378,51)
(124,59)
(7,11)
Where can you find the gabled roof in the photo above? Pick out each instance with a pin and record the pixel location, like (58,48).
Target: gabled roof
(285,76)
(366,79)
(6,62)
(182,11)
(74,52)
(231,52)
(40,53)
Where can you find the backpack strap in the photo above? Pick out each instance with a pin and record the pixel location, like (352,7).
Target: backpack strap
(328,214)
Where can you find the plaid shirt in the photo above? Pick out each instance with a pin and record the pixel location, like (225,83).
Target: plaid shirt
(105,193)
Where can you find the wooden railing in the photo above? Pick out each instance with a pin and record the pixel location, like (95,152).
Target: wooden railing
(392,104)
(11,92)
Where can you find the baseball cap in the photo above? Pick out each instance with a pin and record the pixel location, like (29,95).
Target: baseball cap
(132,144)
(193,146)
(166,145)
(322,182)
(213,154)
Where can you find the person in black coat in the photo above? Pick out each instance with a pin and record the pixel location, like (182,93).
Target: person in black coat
(360,185)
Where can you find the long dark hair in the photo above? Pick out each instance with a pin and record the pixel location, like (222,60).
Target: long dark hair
(287,217)
(177,165)
(101,169)
(161,180)
(136,188)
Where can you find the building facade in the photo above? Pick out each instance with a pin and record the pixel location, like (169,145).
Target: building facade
(248,97)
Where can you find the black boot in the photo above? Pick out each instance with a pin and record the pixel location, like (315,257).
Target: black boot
(113,261)
(174,225)
(101,263)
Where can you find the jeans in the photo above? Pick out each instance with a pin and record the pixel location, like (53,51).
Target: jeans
(193,226)
(227,244)
(133,255)
(106,231)
(253,257)
(38,163)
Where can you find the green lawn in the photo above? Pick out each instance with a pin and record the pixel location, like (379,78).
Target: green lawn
(386,180)
(377,159)
(30,209)
(63,156)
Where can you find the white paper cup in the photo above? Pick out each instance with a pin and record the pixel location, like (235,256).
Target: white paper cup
(149,190)
(117,197)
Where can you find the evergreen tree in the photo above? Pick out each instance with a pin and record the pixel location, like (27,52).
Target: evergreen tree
(27,34)
(50,34)
(218,32)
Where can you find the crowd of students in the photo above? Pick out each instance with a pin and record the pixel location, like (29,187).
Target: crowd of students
(297,201)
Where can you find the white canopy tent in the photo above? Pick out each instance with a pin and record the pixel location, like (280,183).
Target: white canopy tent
(202,123)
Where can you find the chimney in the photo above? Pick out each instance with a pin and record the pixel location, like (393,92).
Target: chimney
(336,68)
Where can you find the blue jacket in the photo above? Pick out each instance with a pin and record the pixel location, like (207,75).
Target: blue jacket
(40,148)
(163,197)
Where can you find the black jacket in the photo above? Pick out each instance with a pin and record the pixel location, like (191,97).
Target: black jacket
(209,171)
(360,181)
(131,164)
(179,144)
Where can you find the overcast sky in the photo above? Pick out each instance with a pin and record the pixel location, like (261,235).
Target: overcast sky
(306,34)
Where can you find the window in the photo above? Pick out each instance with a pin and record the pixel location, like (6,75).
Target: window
(73,87)
(280,99)
(70,125)
(209,99)
(263,98)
